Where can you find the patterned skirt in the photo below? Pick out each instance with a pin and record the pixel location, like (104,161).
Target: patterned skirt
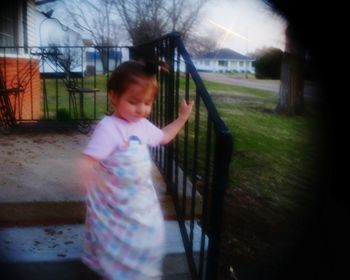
(124,233)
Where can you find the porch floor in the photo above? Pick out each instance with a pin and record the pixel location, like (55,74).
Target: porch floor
(38,200)
(36,178)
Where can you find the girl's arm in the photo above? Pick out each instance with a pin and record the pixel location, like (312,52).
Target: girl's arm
(86,173)
(172,129)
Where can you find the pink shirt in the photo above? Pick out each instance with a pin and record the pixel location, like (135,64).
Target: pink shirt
(112,133)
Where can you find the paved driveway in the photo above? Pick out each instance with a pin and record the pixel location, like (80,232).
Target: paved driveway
(230,80)
(310,90)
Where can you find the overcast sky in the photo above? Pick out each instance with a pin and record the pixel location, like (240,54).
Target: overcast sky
(254,24)
(241,25)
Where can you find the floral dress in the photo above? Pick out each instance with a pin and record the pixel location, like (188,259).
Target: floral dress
(124,236)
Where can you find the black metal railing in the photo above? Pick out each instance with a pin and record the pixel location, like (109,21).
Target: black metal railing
(196,164)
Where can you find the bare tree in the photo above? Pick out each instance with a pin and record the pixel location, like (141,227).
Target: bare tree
(68,58)
(99,19)
(183,15)
(142,19)
(199,45)
(95,17)
(146,20)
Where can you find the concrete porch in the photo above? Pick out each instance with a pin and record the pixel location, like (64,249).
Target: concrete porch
(41,215)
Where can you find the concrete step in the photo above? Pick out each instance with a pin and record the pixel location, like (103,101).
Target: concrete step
(53,251)
(28,213)
(64,270)
(68,270)
(41,212)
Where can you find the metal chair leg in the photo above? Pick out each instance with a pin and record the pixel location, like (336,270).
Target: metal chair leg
(83,123)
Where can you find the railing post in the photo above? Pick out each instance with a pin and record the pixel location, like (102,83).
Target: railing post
(222,157)
(170,54)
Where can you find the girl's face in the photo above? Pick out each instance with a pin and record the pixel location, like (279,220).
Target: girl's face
(135,103)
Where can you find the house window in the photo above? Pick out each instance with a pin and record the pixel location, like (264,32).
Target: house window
(8,20)
(222,63)
(241,64)
(13,24)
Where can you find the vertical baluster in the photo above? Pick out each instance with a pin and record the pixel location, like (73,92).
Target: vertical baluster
(222,157)
(205,196)
(176,149)
(170,54)
(184,179)
(56,82)
(195,163)
(161,107)
(157,115)
(31,84)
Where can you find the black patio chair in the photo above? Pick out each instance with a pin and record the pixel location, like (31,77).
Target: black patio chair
(76,101)
(72,81)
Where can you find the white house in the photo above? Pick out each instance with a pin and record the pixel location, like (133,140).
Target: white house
(51,31)
(18,68)
(224,60)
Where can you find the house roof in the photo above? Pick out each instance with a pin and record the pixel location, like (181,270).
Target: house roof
(225,54)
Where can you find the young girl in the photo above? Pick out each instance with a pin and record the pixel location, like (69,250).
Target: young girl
(124,225)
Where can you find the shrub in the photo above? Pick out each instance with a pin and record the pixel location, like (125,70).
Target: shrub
(268,64)
(63,115)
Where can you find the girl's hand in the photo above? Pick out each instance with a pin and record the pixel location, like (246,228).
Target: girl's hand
(173,128)
(87,174)
(185,110)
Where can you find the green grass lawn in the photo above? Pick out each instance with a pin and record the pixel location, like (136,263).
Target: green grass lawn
(282,148)
(274,176)
(58,99)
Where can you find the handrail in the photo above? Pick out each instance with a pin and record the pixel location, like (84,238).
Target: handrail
(179,161)
(220,125)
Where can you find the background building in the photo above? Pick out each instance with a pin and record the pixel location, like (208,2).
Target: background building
(224,60)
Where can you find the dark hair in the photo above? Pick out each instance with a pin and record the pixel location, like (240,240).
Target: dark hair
(130,72)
